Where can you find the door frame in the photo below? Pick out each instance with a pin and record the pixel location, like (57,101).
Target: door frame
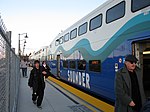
(58,65)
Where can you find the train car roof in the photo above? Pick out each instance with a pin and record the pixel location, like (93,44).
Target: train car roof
(89,14)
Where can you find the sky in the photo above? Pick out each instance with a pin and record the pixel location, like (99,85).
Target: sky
(42,20)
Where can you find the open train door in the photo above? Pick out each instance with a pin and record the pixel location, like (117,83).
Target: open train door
(58,66)
(141,49)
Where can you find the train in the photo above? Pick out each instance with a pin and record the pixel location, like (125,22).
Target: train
(90,52)
(42,54)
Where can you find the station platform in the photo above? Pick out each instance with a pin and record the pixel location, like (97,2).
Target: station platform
(54,100)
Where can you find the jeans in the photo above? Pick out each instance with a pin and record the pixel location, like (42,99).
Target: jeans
(24,72)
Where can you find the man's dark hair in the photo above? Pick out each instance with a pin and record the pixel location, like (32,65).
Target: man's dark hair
(36,61)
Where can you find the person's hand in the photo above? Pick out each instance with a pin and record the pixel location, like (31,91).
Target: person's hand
(132,104)
(44,73)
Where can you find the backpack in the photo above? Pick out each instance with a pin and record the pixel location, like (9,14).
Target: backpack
(146,107)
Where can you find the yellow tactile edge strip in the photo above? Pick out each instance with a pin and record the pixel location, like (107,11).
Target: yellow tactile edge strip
(71,95)
(90,99)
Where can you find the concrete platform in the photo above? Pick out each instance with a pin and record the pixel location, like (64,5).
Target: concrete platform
(54,101)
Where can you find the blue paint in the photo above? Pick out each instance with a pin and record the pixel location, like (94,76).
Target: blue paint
(116,48)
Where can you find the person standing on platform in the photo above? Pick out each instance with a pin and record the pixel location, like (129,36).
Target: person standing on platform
(37,83)
(24,68)
(45,68)
(129,90)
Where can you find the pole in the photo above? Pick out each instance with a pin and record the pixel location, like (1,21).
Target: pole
(23,50)
(19,49)
(19,46)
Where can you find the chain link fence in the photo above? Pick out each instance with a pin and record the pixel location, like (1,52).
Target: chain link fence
(9,72)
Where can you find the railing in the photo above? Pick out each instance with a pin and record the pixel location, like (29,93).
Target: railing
(9,72)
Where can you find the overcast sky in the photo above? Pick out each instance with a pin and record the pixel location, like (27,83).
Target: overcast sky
(42,19)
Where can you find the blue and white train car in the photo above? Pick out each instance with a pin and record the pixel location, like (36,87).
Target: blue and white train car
(89,53)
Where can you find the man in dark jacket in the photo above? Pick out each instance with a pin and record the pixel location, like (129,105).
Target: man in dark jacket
(37,83)
(129,90)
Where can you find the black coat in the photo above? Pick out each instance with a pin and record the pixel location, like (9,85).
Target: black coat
(146,107)
(36,79)
(47,70)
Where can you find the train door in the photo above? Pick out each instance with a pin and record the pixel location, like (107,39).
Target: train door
(141,49)
(58,65)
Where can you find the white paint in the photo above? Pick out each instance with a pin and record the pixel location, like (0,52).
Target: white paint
(79,78)
(83,79)
(87,81)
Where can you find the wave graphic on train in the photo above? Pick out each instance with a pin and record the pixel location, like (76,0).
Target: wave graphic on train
(139,24)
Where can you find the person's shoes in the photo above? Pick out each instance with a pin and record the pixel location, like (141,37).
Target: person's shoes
(40,107)
(34,102)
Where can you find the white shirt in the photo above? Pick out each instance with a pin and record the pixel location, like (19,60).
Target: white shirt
(23,64)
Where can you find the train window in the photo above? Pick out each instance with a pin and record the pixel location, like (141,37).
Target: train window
(73,34)
(65,64)
(139,4)
(61,40)
(66,37)
(57,42)
(83,29)
(72,64)
(116,12)
(81,64)
(95,65)
(96,22)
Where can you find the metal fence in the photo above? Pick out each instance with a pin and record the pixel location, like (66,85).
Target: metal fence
(9,72)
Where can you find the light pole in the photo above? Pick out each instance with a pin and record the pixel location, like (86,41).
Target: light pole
(24,48)
(19,49)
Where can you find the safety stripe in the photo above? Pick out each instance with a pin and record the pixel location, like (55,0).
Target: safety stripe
(84,96)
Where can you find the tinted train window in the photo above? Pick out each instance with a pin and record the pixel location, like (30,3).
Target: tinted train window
(66,37)
(96,22)
(95,65)
(139,4)
(57,42)
(60,40)
(72,64)
(65,64)
(116,12)
(73,34)
(83,29)
(81,64)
